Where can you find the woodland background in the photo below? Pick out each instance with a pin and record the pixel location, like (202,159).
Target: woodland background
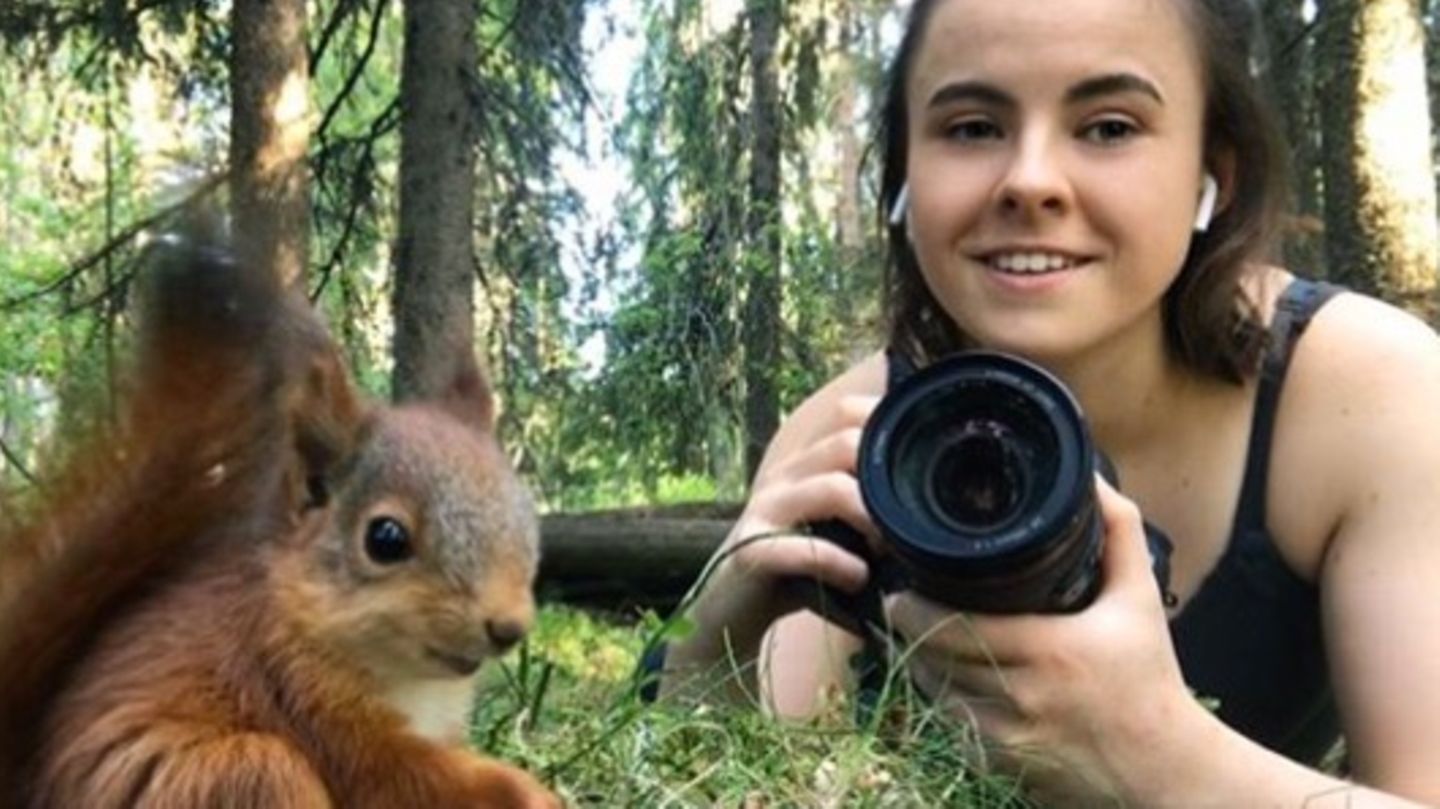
(657,221)
(656,218)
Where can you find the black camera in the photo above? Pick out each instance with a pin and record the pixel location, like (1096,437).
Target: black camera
(979,472)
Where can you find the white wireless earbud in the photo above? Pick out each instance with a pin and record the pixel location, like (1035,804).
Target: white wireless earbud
(1209,191)
(901,206)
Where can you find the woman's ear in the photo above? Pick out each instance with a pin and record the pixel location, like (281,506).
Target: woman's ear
(1223,168)
(1209,190)
(900,212)
(900,209)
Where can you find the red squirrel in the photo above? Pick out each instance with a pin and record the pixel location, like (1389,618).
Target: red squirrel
(257,589)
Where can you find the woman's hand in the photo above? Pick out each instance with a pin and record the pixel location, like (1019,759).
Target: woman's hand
(806,479)
(1076,704)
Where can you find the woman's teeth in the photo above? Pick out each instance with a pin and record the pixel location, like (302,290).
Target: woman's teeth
(1031,262)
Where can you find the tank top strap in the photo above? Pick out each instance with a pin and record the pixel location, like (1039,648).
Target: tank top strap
(1294,309)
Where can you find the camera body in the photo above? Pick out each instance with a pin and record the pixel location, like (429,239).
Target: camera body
(979,472)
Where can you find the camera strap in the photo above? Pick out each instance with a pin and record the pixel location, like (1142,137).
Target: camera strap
(897,367)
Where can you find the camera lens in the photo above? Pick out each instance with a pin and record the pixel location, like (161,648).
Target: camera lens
(975,480)
(978,470)
(968,462)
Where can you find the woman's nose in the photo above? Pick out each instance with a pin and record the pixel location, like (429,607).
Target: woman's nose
(1035,183)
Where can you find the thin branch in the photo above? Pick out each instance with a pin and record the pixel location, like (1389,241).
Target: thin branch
(506,25)
(352,217)
(387,120)
(110,292)
(120,239)
(343,10)
(354,77)
(106,28)
(14,460)
(1305,32)
(383,123)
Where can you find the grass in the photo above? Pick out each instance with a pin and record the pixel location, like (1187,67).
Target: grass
(565,707)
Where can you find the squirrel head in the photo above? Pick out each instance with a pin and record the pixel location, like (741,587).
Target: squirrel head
(418,549)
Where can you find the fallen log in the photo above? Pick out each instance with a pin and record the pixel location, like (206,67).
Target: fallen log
(629,558)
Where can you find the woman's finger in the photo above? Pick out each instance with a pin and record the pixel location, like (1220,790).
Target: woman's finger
(815,499)
(974,679)
(969,694)
(777,555)
(991,639)
(836,451)
(1125,561)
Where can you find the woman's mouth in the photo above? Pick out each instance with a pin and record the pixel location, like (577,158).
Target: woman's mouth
(1031,263)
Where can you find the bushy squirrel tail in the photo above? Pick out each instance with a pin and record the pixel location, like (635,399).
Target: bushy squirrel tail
(198,443)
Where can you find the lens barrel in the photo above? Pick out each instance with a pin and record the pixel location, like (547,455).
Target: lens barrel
(979,471)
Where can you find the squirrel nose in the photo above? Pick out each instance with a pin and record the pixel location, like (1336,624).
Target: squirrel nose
(504,633)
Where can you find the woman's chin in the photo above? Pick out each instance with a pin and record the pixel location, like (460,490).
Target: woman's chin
(1045,344)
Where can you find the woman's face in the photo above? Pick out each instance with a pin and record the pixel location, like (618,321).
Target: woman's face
(1054,167)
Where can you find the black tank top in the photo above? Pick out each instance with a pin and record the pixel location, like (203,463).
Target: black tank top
(1251,635)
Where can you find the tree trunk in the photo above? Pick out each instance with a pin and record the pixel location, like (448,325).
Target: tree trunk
(1292,82)
(269,135)
(435,260)
(761,325)
(850,223)
(1379,182)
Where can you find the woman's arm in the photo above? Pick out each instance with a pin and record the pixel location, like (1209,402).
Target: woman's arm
(807,476)
(804,665)
(1380,575)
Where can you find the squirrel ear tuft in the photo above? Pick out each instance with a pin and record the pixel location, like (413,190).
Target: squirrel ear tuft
(468,396)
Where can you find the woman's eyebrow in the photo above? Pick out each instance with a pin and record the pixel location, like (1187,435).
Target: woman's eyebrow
(971,91)
(1085,90)
(1112,84)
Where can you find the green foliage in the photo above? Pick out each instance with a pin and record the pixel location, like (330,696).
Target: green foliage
(69,164)
(672,342)
(674,373)
(531,94)
(662,295)
(123,29)
(565,707)
(355,66)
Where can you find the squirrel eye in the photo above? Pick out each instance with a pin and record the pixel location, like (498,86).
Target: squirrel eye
(387,541)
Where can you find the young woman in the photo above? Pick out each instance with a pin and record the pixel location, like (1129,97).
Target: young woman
(1091,184)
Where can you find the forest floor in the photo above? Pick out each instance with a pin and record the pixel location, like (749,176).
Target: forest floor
(566,707)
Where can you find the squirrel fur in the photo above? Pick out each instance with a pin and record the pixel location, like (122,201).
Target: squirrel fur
(252,590)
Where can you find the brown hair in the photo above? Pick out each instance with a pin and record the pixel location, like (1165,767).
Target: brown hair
(1210,326)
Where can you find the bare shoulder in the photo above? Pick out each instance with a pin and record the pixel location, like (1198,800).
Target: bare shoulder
(1360,351)
(1358,414)
(1367,328)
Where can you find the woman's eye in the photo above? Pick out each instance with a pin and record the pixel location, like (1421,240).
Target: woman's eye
(1110,130)
(969,129)
(387,541)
